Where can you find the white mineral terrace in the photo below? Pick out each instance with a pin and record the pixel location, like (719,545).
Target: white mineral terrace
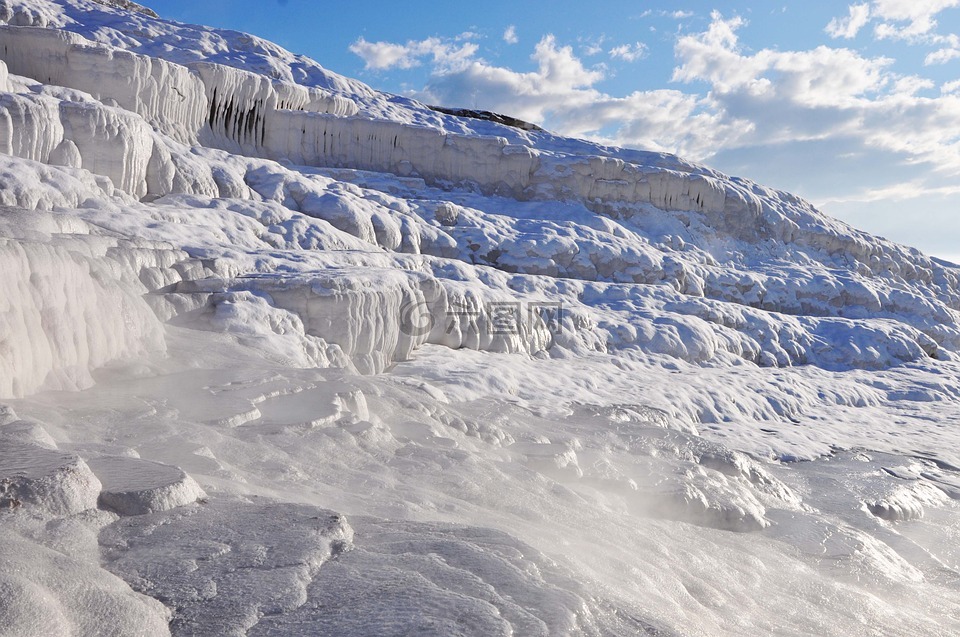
(284,355)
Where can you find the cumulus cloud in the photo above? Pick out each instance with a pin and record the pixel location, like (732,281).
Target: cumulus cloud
(949,50)
(912,20)
(832,123)
(822,76)
(950,87)
(850,26)
(561,93)
(382,56)
(510,35)
(910,85)
(909,18)
(560,81)
(822,93)
(629,52)
(729,98)
(941,56)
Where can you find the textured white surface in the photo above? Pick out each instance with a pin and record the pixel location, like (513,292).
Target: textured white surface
(276,287)
(72,302)
(131,486)
(36,477)
(167,96)
(53,585)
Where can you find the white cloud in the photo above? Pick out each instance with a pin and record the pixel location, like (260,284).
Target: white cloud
(919,14)
(850,26)
(676,15)
(560,81)
(950,87)
(757,105)
(629,52)
(834,124)
(559,66)
(822,93)
(819,77)
(510,35)
(911,85)
(592,46)
(382,56)
(950,50)
(562,94)
(904,191)
(592,49)
(941,56)
(914,21)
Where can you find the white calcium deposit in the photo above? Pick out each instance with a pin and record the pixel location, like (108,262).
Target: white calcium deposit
(284,355)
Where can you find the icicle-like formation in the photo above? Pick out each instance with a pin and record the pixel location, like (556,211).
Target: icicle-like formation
(239,103)
(379,317)
(105,141)
(30,127)
(380,145)
(70,302)
(249,113)
(244,112)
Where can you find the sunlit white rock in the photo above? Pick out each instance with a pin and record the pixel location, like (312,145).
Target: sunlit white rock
(45,479)
(132,486)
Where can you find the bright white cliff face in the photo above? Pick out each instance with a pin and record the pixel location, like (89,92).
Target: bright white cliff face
(281,354)
(70,305)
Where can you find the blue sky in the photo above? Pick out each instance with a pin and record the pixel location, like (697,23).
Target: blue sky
(853,106)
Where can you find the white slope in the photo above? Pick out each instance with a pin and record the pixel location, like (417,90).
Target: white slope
(353,366)
(132,486)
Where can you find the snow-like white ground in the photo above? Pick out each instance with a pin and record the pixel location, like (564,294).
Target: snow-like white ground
(283,355)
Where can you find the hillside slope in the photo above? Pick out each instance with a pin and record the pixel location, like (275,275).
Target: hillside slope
(341,363)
